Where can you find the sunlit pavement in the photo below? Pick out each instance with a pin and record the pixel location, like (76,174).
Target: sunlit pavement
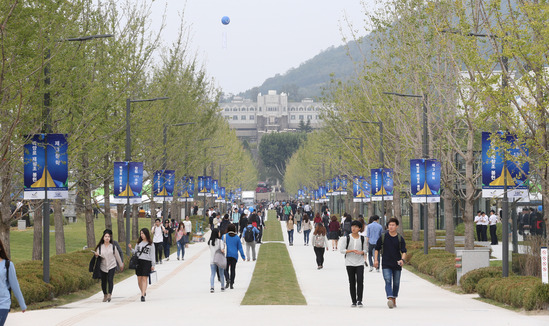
(182,296)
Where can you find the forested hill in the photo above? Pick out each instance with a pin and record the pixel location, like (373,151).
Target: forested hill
(310,77)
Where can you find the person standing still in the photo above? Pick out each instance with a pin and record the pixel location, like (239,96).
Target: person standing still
(393,253)
(493,220)
(484,222)
(477,221)
(354,248)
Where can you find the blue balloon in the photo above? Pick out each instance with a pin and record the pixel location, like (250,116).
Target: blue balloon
(225,20)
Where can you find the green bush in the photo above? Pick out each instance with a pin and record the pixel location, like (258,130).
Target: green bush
(439,264)
(519,263)
(526,292)
(469,280)
(68,273)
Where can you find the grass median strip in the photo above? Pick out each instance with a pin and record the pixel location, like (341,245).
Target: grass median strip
(274,281)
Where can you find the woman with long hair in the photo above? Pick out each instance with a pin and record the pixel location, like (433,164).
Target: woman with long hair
(290,228)
(146,260)
(307,226)
(333,231)
(320,244)
(317,219)
(8,280)
(110,258)
(215,243)
(180,240)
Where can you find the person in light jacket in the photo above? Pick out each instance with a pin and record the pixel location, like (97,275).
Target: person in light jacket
(110,258)
(146,262)
(215,243)
(5,295)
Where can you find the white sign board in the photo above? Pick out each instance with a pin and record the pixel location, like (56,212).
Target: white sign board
(544,266)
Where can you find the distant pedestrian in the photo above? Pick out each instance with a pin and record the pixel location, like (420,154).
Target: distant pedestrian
(158,239)
(290,229)
(484,223)
(493,220)
(346,224)
(393,254)
(307,227)
(333,231)
(287,211)
(250,235)
(478,225)
(354,247)
(298,217)
(234,246)
(188,229)
(8,281)
(167,238)
(216,244)
(224,224)
(373,233)
(320,244)
(180,236)
(146,260)
(110,258)
(317,219)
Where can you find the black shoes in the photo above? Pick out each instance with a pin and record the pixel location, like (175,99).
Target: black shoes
(142,299)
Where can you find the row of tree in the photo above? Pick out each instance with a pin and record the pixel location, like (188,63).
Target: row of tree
(476,66)
(45,53)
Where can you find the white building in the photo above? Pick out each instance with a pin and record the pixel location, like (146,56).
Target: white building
(272,112)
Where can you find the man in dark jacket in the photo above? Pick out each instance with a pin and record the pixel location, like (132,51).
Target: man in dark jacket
(243,223)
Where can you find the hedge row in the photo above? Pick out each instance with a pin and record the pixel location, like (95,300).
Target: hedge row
(470,280)
(526,292)
(68,273)
(439,264)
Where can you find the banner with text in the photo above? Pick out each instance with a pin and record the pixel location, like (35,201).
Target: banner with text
(128,182)
(382,184)
(425,181)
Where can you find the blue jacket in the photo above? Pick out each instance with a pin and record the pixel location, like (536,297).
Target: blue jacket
(233,245)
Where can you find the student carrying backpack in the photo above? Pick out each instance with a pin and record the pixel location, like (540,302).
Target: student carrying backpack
(249,234)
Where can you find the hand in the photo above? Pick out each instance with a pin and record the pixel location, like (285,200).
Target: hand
(130,245)
(400,262)
(152,268)
(376,264)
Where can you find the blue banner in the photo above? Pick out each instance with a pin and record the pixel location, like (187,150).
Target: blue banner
(208,185)
(215,188)
(35,174)
(300,194)
(382,184)
(323,195)
(367,189)
(163,185)
(124,187)
(185,188)
(358,194)
(220,196)
(495,173)
(202,186)
(328,188)
(425,181)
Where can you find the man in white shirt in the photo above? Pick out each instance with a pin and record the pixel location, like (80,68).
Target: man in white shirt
(477,221)
(354,247)
(158,239)
(493,220)
(484,223)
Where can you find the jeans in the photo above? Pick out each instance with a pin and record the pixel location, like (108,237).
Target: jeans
(291,236)
(371,251)
(356,282)
(230,272)
(180,248)
(213,268)
(392,281)
(306,236)
(3,316)
(158,251)
(319,252)
(298,226)
(107,281)
(248,246)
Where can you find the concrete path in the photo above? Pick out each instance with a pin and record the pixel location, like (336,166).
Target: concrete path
(182,296)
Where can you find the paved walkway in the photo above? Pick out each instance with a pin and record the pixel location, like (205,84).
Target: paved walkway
(182,296)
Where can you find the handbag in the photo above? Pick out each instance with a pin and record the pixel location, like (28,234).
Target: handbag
(219,259)
(134,260)
(95,267)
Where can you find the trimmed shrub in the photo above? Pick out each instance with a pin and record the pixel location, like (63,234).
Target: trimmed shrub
(438,263)
(469,281)
(518,291)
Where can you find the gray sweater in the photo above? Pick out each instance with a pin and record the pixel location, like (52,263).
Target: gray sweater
(147,251)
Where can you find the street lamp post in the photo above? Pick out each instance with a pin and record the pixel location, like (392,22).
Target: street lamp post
(425,155)
(128,158)
(47,129)
(165,157)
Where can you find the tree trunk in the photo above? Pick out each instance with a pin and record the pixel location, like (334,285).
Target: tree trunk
(448,220)
(469,192)
(37,239)
(5,209)
(135,223)
(416,223)
(59,231)
(107,197)
(398,210)
(120,221)
(86,195)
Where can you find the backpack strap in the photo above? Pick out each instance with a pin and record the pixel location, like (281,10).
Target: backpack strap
(8,273)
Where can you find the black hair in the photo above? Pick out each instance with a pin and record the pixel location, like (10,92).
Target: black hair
(3,253)
(147,236)
(157,220)
(356,223)
(479,212)
(214,236)
(102,241)
(375,217)
(393,220)
(231,228)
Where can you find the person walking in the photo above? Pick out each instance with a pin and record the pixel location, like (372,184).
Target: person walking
(167,239)
(243,223)
(392,247)
(215,243)
(188,229)
(346,224)
(287,211)
(354,246)
(307,227)
(8,284)
(250,235)
(146,260)
(493,220)
(110,258)
(298,217)
(333,231)
(373,232)
(158,239)
(234,246)
(180,236)
(320,244)
(290,229)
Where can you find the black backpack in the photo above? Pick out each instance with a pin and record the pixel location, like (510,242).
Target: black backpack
(249,235)
(349,240)
(347,226)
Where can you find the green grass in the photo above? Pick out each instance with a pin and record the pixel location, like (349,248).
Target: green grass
(21,242)
(274,281)
(272,231)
